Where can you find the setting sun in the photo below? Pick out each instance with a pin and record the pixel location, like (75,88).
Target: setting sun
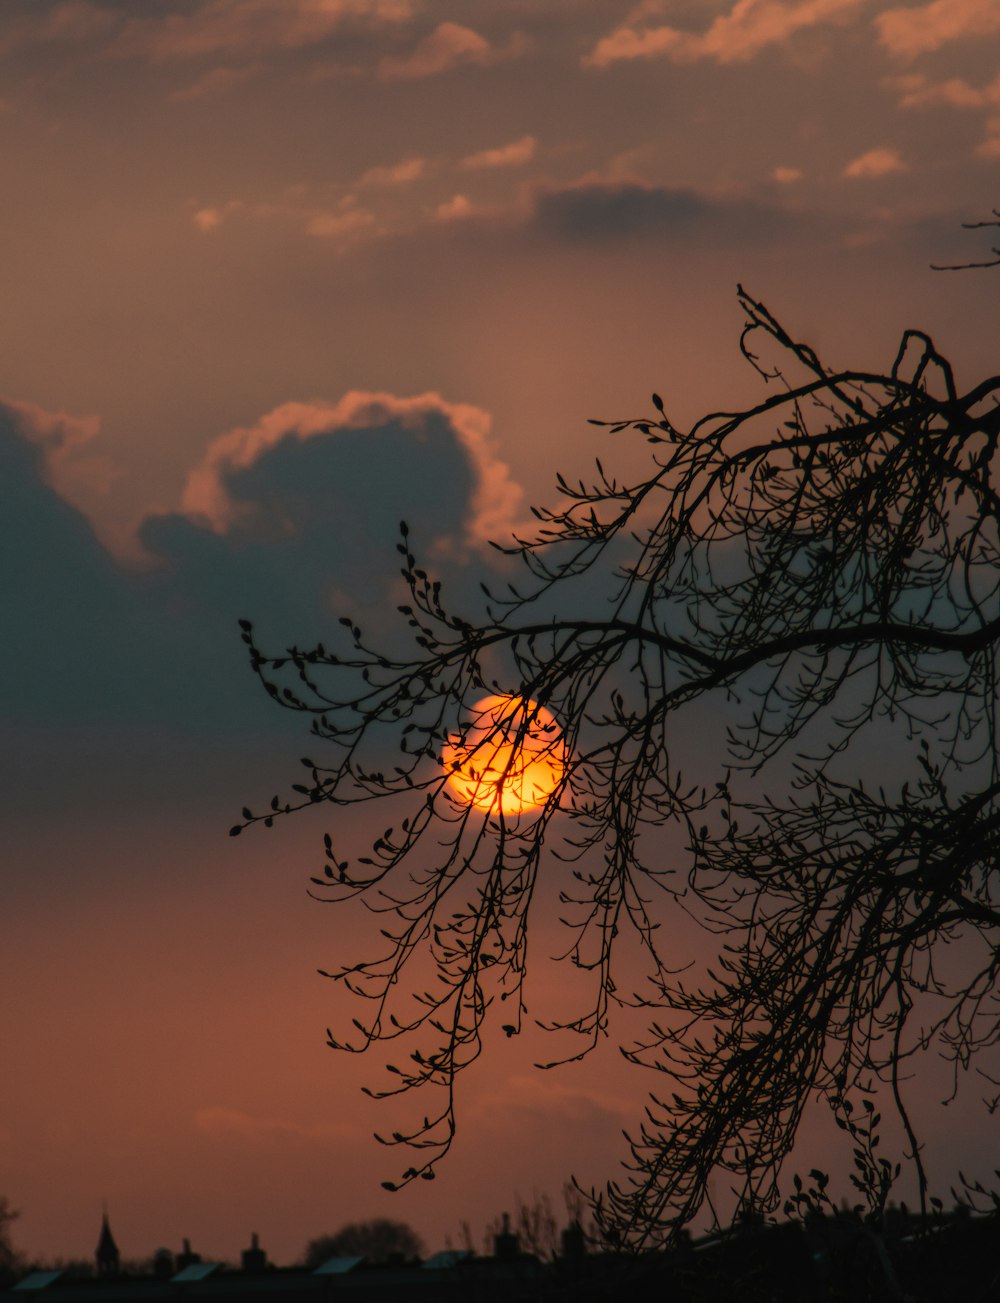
(509,759)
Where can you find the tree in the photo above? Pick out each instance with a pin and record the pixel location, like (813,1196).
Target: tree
(10,1261)
(805,585)
(377,1240)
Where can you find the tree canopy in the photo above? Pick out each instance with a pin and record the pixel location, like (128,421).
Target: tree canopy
(772,659)
(377,1240)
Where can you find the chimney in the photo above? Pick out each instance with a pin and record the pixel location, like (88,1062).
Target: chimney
(186,1258)
(574,1242)
(254,1259)
(505,1244)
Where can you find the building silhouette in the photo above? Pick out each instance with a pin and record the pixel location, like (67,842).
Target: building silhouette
(952,1256)
(106,1255)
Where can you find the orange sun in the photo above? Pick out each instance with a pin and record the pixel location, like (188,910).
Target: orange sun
(509,759)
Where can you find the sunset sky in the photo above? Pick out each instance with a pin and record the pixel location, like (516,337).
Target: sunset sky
(273,275)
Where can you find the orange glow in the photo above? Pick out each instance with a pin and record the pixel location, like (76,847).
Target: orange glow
(509,759)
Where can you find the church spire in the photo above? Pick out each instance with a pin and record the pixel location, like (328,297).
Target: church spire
(108,1258)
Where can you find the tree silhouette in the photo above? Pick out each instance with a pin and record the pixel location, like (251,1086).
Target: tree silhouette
(773,659)
(377,1240)
(10,1261)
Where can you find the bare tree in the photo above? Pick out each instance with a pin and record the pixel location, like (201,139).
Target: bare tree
(810,586)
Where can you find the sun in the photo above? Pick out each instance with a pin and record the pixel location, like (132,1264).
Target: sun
(510,758)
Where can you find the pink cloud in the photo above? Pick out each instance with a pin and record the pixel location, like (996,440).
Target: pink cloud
(448,46)
(880,161)
(634,43)
(925,28)
(454,209)
(69,463)
(336,225)
(401,173)
(347,219)
(735,37)
(57,432)
(515,154)
(210,218)
(244,28)
(917,92)
(496,498)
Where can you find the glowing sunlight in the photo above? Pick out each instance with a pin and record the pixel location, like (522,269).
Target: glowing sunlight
(509,759)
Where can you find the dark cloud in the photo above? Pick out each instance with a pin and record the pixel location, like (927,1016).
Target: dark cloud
(71,616)
(291,522)
(295,520)
(595,211)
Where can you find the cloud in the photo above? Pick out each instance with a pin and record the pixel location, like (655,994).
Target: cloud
(211,218)
(57,433)
(373,458)
(401,173)
(609,210)
(734,37)
(597,209)
(922,29)
(343,223)
(76,20)
(290,521)
(69,460)
(786,175)
(91,649)
(73,21)
(246,28)
(455,209)
(336,225)
(294,521)
(515,154)
(880,161)
(535,1100)
(990,147)
(208,219)
(916,92)
(215,82)
(448,46)
(72,618)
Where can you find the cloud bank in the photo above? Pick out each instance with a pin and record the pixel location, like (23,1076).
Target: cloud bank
(291,521)
(734,37)
(448,46)
(922,29)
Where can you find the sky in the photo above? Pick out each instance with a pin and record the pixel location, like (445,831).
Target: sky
(276,274)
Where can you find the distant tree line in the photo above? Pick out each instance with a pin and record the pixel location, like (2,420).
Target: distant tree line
(379,1240)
